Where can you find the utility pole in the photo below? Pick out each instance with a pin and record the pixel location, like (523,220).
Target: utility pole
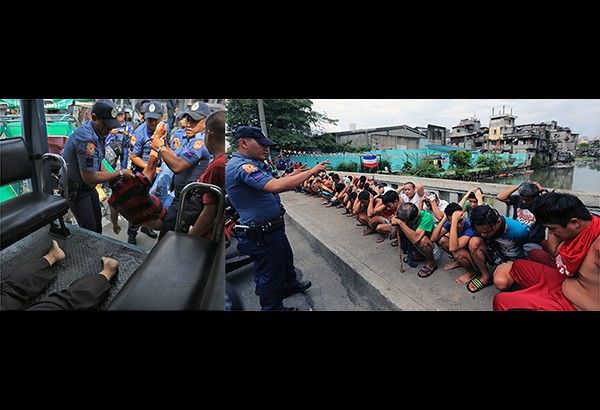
(261,116)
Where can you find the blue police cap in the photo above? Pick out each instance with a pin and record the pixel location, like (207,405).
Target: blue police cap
(106,111)
(253,132)
(153,109)
(197,111)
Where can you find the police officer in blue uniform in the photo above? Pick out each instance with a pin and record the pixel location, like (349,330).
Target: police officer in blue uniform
(153,114)
(83,154)
(254,193)
(118,140)
(187,162)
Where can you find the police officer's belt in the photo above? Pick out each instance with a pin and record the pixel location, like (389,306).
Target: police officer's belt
(267,226)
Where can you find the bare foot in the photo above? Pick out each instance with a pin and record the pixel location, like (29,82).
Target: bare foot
(54,254)
(451,265)
(110,267)
(465,278)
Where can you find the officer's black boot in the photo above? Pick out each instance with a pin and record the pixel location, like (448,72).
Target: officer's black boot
(132,240)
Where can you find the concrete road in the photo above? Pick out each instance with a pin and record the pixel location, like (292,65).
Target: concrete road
(329,290)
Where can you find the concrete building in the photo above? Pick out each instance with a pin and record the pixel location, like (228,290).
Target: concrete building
(562,141)
(501,125)
(467,134)
(382,138)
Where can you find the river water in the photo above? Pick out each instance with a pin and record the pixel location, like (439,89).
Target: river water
(581,177)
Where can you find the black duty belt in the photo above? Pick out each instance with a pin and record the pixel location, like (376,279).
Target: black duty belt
(263,228)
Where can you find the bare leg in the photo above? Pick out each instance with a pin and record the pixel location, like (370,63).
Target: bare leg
(477,249)
(463,258)
(502,278)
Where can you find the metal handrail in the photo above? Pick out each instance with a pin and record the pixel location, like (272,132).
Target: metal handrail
(203,188)
(63,166)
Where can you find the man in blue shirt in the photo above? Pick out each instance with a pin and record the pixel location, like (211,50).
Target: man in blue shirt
(187,162)
(499,239)
(83,154)
(254,193)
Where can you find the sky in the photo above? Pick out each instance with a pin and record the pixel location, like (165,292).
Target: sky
(581,116)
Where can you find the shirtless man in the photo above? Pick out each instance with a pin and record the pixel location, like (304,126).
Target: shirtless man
(574,243)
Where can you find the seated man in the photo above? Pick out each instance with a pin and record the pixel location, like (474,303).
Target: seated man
(453,234)
(417,225)
(470,200)
(434,205)
(381,209)
(131,198)
(522,203)
(574,243)
(498,239)
(19,288)
(359,210)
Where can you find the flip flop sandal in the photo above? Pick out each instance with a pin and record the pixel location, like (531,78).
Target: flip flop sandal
(478,285)
(380,238)
(395,242)
(425,271)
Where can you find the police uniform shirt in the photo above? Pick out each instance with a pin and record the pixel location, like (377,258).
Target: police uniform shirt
(179,135)
(244,183)
(142,143)
(83,151)
(195,153)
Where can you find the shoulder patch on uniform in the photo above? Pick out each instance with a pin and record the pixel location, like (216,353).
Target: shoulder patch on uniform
(249,168)
(176,143)
(90,148)
(198,144)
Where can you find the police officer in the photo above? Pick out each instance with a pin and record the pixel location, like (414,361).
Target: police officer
(153,114)
(254,193)
(187,162)
(118,140)
(83,154)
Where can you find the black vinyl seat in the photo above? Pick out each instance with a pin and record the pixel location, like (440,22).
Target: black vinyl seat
(26,213)
(172,277)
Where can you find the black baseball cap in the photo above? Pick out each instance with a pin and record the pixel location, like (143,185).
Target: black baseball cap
(106,111)
(253,132)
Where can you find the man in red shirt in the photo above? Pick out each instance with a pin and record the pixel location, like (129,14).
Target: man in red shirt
(214,174)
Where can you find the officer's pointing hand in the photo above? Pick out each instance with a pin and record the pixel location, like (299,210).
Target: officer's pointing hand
(319,167)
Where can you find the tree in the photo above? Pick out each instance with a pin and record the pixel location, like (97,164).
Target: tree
(288,121)
(460,159)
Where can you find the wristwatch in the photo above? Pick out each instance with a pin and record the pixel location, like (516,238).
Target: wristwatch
(158,149)
(121,173)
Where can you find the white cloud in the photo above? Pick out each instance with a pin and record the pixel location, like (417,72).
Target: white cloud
(582,116)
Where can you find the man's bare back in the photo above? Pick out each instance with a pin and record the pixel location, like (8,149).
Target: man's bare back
(583,289)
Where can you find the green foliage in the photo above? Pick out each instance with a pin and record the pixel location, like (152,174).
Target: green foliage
(460,159)
(494,162)
(347,166)
(537,162)
(425,166)
(407,166)
(385,163)
(288,121)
